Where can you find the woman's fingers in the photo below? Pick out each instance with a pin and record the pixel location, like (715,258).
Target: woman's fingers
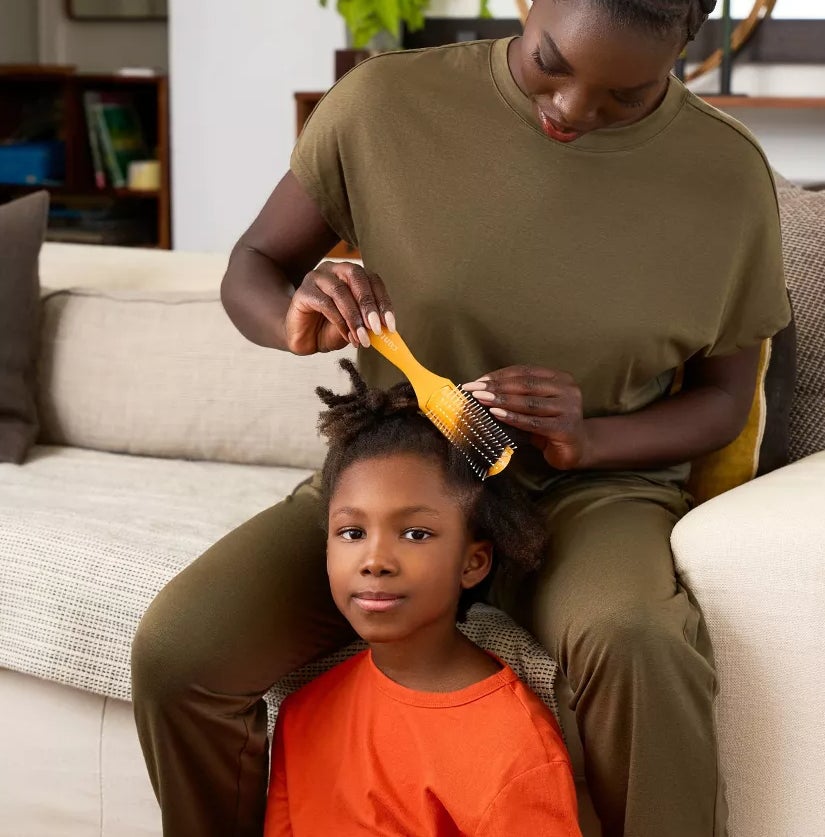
(368,294)
(348,297)
(534,399)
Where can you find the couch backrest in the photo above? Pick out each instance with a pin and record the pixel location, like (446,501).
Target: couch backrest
(162,372)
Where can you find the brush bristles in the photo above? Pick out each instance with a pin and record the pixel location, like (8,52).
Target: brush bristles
(472,430)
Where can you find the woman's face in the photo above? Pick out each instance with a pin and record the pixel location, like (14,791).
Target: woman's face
(585,72)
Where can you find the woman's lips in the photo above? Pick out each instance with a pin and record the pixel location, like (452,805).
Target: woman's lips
(554,132)
(373,602)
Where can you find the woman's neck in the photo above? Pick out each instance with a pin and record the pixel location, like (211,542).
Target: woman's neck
(430,663)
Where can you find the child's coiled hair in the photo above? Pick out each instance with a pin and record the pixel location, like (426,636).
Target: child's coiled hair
(370,423)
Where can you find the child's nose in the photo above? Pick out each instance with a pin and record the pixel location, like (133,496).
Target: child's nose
(379,559)
(376,568)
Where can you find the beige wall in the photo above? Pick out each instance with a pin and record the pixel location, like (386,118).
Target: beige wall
(18,32)
(99,46)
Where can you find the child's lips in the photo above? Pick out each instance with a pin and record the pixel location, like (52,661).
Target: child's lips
(375,601)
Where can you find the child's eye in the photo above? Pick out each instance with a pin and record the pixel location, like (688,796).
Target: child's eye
(417,534)
(351,533)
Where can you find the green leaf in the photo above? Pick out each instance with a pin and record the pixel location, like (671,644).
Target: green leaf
(389,14)
(366,18)
(484,9)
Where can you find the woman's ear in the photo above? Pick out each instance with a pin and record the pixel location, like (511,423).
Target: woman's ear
(478,561)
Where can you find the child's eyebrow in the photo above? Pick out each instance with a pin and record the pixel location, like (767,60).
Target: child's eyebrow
(352,511)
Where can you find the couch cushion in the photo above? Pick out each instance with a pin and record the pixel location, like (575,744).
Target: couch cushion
(803,235)
(167,375)
(22,226)
(86,541)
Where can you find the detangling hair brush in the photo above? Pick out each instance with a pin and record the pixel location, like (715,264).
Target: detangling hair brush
(454,412)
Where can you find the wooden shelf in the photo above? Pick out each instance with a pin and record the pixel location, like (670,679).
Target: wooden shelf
(62,88)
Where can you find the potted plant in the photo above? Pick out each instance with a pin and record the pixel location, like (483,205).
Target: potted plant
(378,23)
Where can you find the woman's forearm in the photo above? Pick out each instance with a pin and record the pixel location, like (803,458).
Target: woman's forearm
(256,295)
(677,429)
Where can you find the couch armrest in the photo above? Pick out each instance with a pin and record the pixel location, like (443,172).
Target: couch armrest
(755,560)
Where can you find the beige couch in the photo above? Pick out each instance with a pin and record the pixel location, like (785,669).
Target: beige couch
(163,429)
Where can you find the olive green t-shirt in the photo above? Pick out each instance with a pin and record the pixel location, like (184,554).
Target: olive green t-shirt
(615,257)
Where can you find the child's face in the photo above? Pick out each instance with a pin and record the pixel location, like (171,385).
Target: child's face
(398,550)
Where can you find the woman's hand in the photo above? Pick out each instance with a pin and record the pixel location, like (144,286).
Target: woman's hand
(545,403)
(333,306)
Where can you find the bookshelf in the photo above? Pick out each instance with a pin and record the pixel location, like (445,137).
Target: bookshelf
(48,102)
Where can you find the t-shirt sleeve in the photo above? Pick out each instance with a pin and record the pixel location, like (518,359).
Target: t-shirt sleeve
(540,801)
(277,823)
(326,150)
(757,304)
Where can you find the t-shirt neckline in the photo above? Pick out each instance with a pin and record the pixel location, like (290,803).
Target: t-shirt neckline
(609,139)
(437,700)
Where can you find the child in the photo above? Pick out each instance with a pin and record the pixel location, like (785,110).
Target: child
(424,734)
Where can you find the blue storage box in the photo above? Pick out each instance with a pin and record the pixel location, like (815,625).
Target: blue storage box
(32,162)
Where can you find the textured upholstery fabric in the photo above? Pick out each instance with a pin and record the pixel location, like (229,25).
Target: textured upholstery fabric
(86,541)
(167,375)
(22,226)
(803,234)
(755,560)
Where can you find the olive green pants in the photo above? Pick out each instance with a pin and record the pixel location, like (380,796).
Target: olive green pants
(607,604)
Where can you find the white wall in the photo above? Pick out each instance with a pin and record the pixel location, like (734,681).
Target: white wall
(234,69)
(18,32)
(95,46)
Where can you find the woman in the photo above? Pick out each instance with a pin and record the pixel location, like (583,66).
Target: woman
(552,202)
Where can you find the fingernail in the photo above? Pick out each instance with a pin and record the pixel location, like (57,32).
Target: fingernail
(389,319)
(363,336)
(375,322)
(498,413)
(472,386)
(484,396)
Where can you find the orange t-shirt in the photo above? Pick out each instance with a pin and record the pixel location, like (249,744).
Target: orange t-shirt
(357,754)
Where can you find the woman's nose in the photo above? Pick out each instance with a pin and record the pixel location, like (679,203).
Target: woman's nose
(575,108)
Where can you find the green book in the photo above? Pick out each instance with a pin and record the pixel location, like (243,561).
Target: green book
(121,138)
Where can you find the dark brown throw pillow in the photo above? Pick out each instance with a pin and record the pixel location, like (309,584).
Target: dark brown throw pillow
(22,227)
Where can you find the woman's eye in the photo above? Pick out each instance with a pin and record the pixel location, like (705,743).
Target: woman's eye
(629,103)
(351,534)
(417,534)
(548,71)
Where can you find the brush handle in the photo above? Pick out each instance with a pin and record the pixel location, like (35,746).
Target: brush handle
(425,383)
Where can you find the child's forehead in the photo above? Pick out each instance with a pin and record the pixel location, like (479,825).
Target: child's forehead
(409,477)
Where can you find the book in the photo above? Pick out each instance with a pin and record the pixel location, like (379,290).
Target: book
(90,101)
(121,137)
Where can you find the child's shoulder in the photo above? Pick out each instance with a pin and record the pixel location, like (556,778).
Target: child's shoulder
(332,682)
(535,721)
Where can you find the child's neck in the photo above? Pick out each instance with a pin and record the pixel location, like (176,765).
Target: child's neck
(429,664)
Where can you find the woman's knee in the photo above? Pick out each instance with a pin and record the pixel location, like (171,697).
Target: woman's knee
(164,660)
(630,638)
